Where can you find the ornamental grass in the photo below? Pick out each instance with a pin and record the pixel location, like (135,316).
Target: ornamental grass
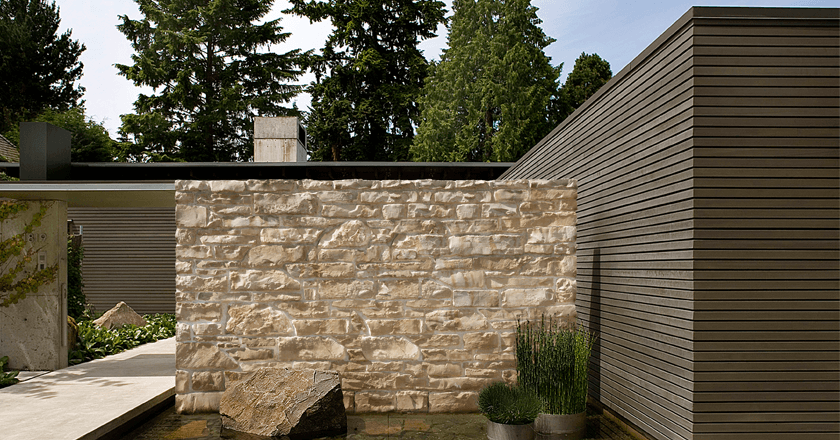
(509,404)
(552,361)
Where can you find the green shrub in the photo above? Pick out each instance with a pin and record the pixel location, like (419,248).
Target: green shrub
(75,295)
(94,342)
(508,404)
(7,377)
(552,361)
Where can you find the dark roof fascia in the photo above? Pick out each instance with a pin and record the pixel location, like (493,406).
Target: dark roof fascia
(287,170)
(694,13)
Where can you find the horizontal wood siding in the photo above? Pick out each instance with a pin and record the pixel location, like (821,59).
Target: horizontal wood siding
(708,216)
(630,150)
(767,211)
(129,256)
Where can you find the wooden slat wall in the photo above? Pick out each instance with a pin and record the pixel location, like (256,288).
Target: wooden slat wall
(129,256)
(629,147)
(708,226)
(767,211)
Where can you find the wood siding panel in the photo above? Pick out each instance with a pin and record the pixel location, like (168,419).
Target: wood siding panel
(708,211)
(762,241)
(129,256)
(631,154)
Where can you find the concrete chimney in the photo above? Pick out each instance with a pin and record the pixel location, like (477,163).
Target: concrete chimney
(281,139)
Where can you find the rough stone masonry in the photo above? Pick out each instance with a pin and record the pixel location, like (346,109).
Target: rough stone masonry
(409,289)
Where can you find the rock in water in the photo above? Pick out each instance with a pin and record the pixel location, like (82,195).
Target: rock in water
(274,402)
(119,316)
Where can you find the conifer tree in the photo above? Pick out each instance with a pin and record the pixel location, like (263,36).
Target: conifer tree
(38,67)
(488,99)
(368,76)
(210,65)
(589,74)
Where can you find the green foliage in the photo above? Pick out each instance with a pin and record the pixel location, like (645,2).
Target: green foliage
(208,64)
(15,280)
(7,377)
(589,74)
(89,141)
(552,361)
(94,342)
(7,178)
(488,99)
(75,295)
(509,404)
(369,76)
(38,68)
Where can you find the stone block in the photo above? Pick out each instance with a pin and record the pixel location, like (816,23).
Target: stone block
(453,402)
(412,401)
(321,327)
(476,298)
(187,216)
(290,235)
(206,402)
(481,342)
(257,320)
(389,348)
(537,297)
(455,320)
(310,348)
(208,381)
(294,204)
(329,289)
(247,354)
(374,402)
(190,312)
(353,233)
(406,289)
(201,356)
(274,256)
(262,280)
(321,270)
(379,327)
(485,244)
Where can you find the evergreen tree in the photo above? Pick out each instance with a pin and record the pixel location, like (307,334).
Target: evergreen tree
(589,74)
(89,141)
(38,68)
(207,62)
(368,76)
(488,99)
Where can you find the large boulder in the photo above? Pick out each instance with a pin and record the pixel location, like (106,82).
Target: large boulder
(275,402)
(119,316)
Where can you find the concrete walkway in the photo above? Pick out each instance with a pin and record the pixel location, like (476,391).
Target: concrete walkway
(91,400)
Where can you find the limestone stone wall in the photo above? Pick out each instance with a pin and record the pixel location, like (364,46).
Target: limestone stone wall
(410,289)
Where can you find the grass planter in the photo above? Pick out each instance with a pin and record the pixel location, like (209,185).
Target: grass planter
(552,361)
(510,410)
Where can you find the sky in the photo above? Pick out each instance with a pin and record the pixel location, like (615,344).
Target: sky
(617,30)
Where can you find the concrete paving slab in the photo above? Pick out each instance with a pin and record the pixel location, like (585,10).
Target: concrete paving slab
(90,400)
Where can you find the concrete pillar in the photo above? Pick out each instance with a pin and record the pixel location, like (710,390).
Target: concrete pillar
(281,139)
(44,152)
(33,331)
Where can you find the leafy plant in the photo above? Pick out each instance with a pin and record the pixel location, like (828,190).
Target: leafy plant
(75,295)
(552,361)
(95,342)
(15,256)
(7,378)
(509,404)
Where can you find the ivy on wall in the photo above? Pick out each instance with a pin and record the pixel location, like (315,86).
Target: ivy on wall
(17,280)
